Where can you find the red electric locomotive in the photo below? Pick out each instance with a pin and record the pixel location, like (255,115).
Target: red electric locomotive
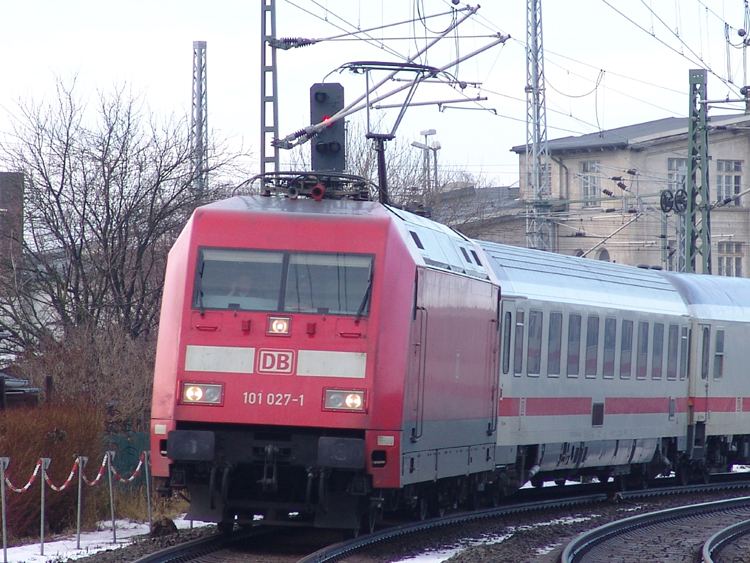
(313,368)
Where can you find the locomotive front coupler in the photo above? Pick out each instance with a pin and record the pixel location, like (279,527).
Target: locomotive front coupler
(269,481)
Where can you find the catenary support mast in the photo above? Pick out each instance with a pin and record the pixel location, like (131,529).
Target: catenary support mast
(538,224)
(199,122)
(269,101)
(697,218)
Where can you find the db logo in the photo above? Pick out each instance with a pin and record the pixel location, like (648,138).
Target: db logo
(276,361)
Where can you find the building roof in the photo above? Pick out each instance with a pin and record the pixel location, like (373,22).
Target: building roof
(631,136)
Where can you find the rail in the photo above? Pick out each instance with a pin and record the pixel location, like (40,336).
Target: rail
(720,539)
(587,540)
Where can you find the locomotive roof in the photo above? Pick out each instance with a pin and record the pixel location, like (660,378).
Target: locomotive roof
(569,279)
(714,297)
(274,204)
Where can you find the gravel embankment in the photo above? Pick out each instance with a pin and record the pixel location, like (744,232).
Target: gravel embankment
(535,537)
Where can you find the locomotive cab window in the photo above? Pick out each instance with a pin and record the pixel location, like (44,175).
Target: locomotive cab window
(256,280)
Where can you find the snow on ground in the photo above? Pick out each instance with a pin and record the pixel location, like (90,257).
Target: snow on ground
(63,548)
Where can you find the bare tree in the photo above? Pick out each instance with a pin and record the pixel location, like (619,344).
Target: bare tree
(108,186)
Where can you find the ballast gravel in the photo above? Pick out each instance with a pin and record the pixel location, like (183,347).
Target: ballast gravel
(532,537)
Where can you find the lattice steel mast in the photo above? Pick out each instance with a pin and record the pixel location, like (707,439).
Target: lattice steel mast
(697,218)
(269,102)
(199,122)
(538,224)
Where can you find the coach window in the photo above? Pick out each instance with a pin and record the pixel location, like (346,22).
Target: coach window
(705,351)
(626,350)
(574,345)
(507,331)
(673,342)
(719,355)
(610,343)
(534,353)
(518,352)
(592,345)
(554,346)
(658,351)
(642,355)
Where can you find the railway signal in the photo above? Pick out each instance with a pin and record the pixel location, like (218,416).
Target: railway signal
(328,145)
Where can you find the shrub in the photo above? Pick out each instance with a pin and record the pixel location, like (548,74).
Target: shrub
(60,433)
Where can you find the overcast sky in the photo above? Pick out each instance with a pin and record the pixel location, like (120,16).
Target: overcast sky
(608,63)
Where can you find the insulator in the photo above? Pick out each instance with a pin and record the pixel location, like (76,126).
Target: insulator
(296,41)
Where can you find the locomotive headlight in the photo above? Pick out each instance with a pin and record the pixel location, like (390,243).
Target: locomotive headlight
(344,400)
(279,326)
(201,393)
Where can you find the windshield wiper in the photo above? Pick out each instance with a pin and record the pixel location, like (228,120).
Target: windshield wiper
(365,297)
(200,289)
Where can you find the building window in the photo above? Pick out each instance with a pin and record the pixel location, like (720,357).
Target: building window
(676,173)
(729,259)
(590,182)
(728,179)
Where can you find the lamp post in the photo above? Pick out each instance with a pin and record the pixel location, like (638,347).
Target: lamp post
(427,148)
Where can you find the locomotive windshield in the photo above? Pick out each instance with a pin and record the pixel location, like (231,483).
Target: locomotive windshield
(304,282)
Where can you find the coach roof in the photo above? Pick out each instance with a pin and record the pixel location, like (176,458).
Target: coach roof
(567,279)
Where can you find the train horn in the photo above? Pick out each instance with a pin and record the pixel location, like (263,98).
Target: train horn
(318,192)
(292,192)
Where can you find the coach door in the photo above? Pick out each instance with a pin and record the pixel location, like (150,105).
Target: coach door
(703,367)
(495,336)
(507,334)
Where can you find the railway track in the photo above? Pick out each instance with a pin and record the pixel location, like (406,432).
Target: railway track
(670,535)
(228,548)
